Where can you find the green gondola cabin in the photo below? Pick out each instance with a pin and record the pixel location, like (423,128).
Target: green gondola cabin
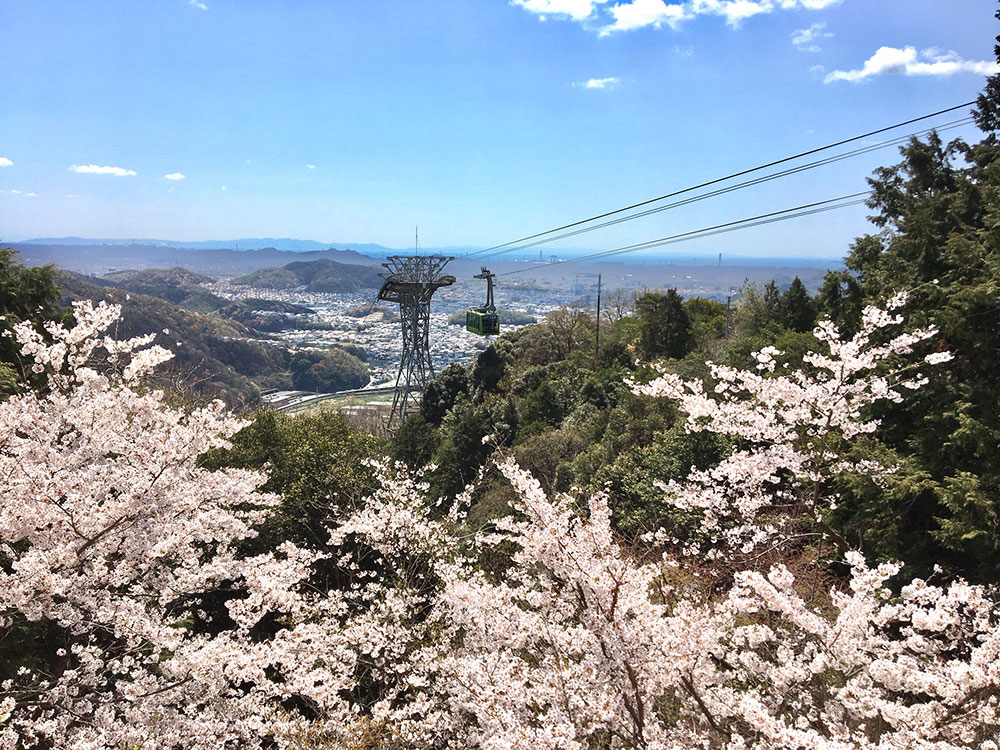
(484,321)
(483,324)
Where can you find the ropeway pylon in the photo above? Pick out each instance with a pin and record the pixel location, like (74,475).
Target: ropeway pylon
(412,281)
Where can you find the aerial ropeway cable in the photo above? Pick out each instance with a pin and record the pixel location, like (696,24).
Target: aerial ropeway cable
(731,176)
(806,209)
(738,186)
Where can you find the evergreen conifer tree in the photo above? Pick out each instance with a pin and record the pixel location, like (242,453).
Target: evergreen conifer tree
(666,328)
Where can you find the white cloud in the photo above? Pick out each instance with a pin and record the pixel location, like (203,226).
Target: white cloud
(737,11)
(197,4)
(224,187)
(598,83)
(31,195)
(807,40)
(95,169)
(811,4)
(907,61)
(173,176)
(5,162)
(637,14)
(15,192)
(578,10)
(72,195)
(641,13)
(310,166)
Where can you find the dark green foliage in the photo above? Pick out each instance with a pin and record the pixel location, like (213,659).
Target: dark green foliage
(461,450)
(440,394)
(840,300)
(25,294)
(798,311)
(708,319)
(666,328)
(314,461)
(542,409)
(630,479)
(327,371)
(415,442)
(942,244)
(759,310)
(487,370)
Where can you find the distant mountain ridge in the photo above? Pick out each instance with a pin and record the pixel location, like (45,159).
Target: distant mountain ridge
(247,243)
(323,275)
(101,259)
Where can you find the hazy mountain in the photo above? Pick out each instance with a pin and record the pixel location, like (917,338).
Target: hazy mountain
(97,260)
(316,276)
(247,243)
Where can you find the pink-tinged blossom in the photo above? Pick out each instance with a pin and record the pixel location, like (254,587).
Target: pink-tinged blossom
(792,421)
(580,643)
(112,536)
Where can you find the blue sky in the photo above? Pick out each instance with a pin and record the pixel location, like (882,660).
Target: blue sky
(479,120)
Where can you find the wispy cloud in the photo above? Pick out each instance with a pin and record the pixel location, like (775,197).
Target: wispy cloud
(807,40)
(608,18)
(173,176)
(736,11)
(578,10)
(310,166)
(598,83)
(197,4)
(908,62)
(96,169)
(31,195)
(641,13)
(72,195)
(5,162)
(15,192)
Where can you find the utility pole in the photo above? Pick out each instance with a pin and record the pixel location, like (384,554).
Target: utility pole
(729,323)
(597,337)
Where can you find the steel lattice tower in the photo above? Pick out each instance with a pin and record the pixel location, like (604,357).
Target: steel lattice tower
(412,281)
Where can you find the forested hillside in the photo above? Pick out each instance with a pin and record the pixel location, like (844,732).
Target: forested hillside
(315,276)
(213,340)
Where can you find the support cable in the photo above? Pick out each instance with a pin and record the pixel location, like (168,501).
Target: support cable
(717,180)
(738,186)
(806,209)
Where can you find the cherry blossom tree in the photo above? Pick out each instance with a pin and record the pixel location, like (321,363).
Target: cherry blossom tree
(582,643)
(153,629)
(794,428)
(125,555)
